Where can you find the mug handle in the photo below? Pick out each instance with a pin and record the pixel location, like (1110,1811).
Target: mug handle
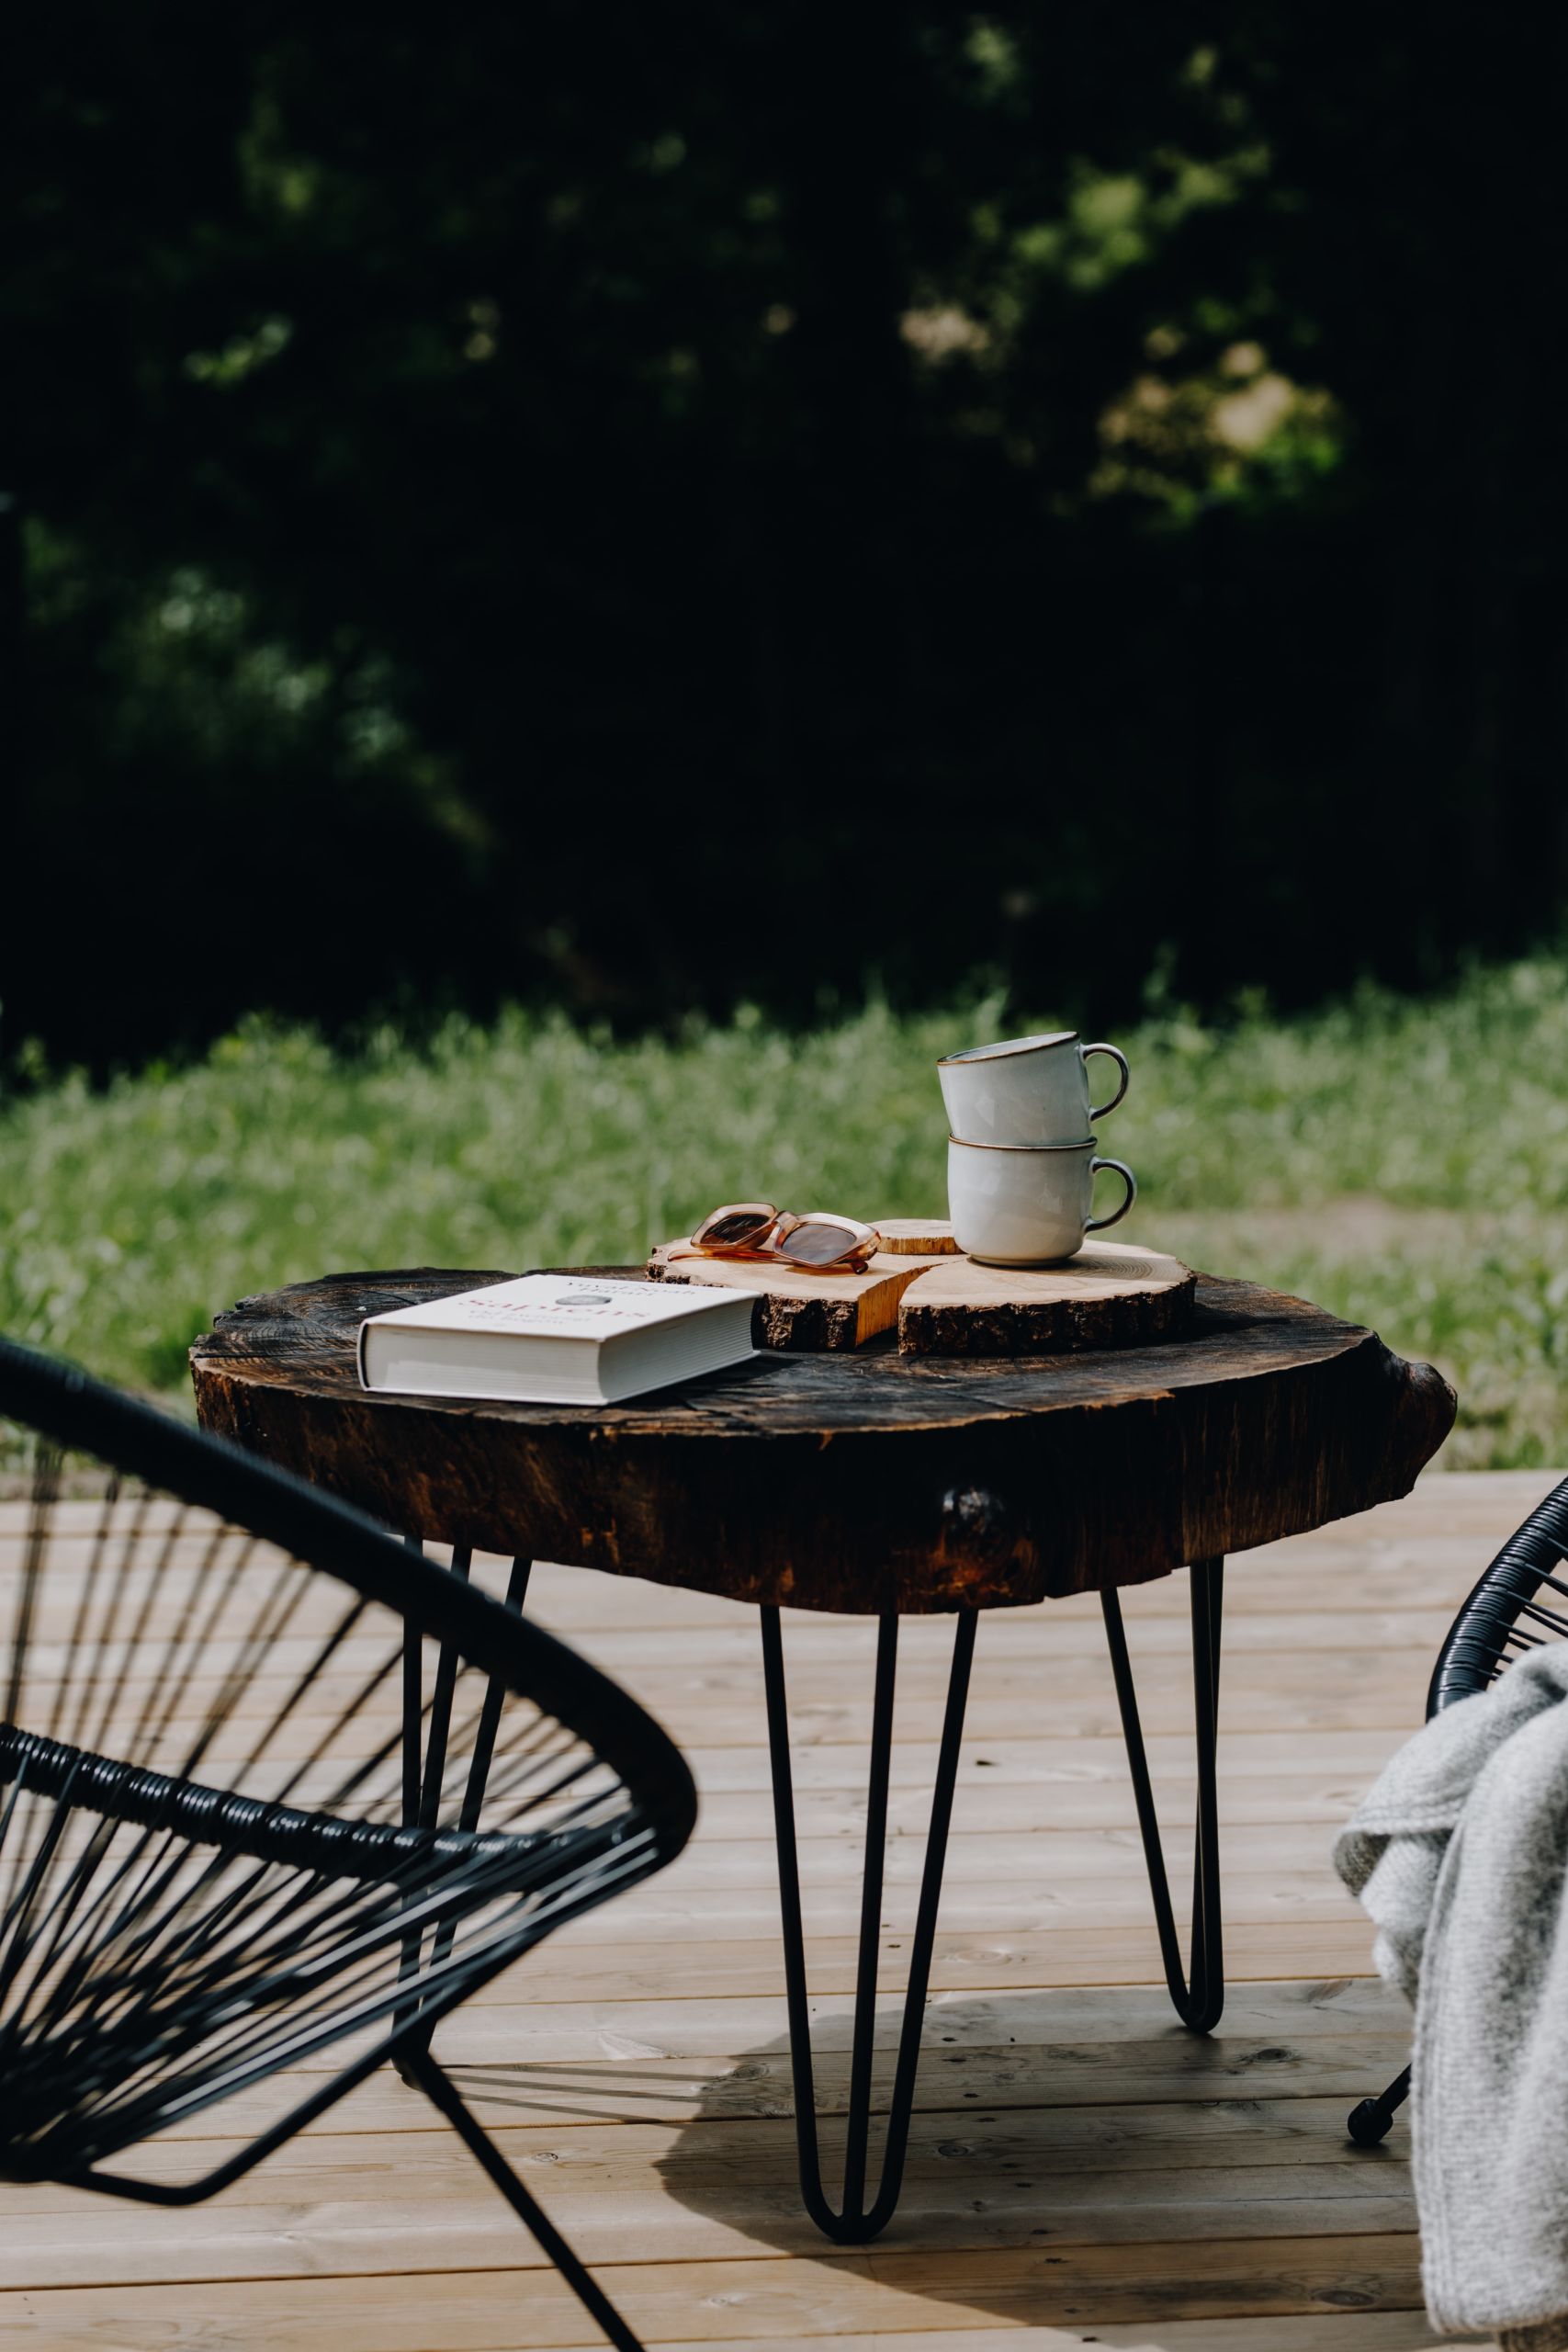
(1120,1058)
(1098,1224)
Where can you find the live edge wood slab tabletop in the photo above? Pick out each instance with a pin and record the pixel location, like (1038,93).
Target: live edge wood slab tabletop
(872,1481)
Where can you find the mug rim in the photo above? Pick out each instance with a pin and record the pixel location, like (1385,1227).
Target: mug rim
(1004,1048)
(1084,1142)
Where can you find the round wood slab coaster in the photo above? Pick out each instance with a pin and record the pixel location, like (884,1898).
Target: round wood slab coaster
(1110,1295)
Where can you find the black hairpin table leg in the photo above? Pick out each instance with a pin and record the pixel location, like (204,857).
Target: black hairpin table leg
(424,1740)
(854,2221)
(1198,1990)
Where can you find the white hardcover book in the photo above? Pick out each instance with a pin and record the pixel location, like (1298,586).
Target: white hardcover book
(555,1340)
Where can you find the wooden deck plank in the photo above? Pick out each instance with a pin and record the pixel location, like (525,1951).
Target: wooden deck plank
(769,2298)
(1105,2048)
(1373,2332)
(678,2193)
(1128,2137)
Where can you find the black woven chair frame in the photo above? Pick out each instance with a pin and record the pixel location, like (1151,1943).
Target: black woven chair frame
(1501,1619)
(169,1937)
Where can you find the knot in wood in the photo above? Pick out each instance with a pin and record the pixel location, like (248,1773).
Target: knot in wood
(976,1524)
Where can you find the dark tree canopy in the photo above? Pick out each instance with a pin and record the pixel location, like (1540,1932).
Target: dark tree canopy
(648,507)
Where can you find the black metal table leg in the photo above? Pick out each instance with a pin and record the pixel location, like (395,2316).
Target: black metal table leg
(855,2222)
(1198,1990)
(424,1742)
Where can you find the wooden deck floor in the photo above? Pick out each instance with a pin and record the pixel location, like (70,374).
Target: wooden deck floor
(1081,2169)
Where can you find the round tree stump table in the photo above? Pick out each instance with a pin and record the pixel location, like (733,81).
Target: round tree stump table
(886,1485)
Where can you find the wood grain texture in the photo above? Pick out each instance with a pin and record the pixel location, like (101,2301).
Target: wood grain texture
(859,1482)
(917,1237)
(1109,1295)
(1115,2177)
(776,2298)
(820,1313)
(943,1303)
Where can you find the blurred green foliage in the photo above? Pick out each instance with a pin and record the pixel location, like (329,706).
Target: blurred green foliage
(1404,1163)
(1066,485)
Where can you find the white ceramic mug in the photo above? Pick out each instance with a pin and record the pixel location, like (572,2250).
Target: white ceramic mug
(1025,1089)
(1026,1203)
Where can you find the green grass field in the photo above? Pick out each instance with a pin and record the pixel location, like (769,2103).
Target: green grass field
(1405,1163)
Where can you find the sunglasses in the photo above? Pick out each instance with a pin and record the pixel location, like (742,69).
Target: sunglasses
(756,1229)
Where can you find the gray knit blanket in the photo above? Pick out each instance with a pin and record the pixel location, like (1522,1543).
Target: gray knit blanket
(1461,1855)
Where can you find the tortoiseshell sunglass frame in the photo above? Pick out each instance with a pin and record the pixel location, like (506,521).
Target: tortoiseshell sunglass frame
(756,1231)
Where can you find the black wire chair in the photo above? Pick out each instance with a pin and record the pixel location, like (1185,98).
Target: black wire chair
(276,1792)
(1503,1617)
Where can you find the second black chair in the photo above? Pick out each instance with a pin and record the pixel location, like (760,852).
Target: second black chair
(1502,1619)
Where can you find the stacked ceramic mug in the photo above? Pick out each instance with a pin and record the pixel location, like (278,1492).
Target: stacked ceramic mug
(1020,1155)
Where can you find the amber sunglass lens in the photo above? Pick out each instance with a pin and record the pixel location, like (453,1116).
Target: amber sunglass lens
(740,1225)
(819,1245)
